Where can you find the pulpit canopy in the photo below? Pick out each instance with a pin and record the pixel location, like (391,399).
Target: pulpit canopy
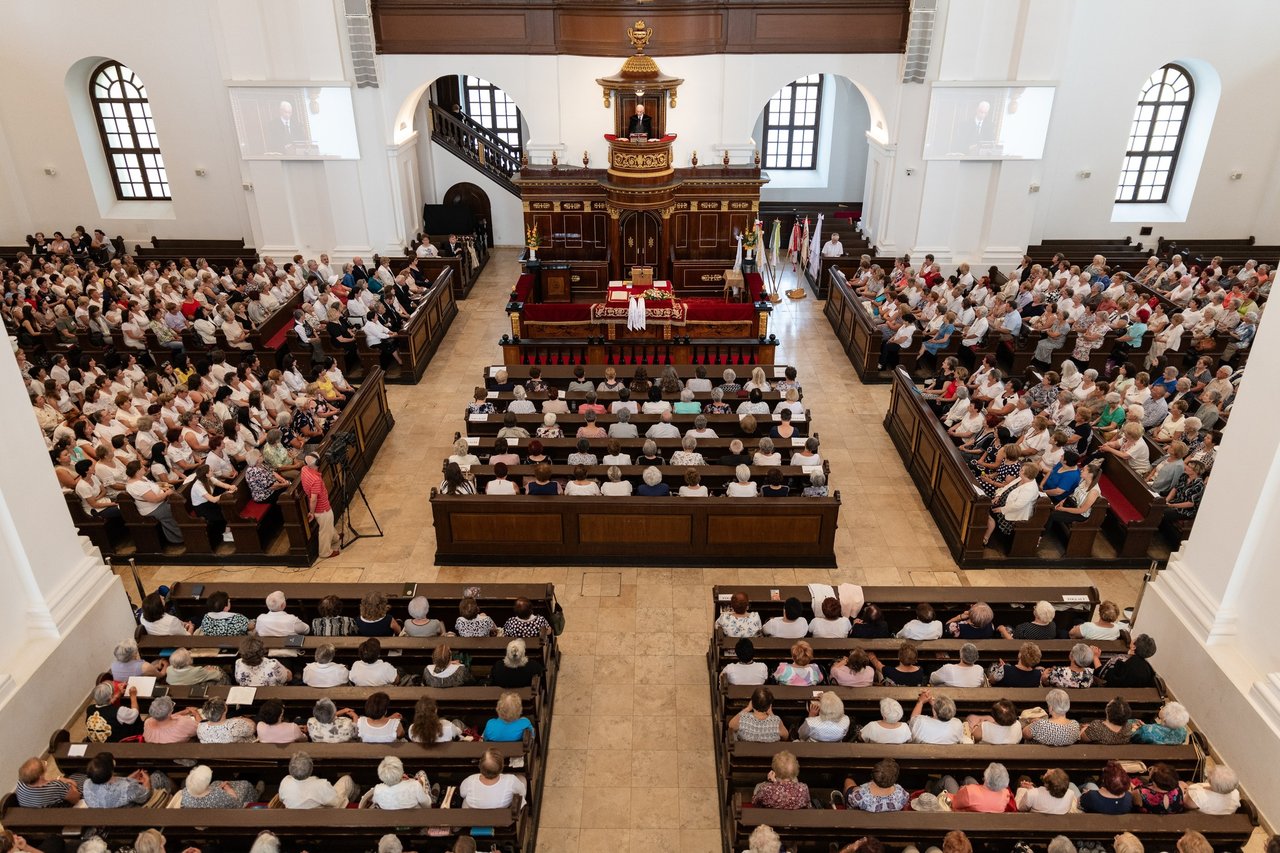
(640,80)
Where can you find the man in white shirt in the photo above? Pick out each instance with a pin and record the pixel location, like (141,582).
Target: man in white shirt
(833,247)
(924,627)
(371,670)
(791,624)
(663,429)
(276,623)
(976,331)
(1020,418)
(324,671)
(491,788)
(699,382)
(303,790)
(746,669)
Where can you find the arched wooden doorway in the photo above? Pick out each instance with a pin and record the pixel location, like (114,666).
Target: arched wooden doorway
(641,241)
(476,200)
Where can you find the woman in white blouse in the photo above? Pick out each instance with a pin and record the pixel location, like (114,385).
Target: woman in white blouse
(743,486)
(616,486)
(765,454)
(1014,502)
(1130,447)
(581,485)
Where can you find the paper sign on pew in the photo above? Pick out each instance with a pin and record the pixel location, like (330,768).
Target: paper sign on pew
(241,695)
(1076,599)
(493,372)
(794,417)
(145,685)
(779,373)
(513,442)
(810,470)
(492,395)
(473,441)
(797,441)
(478,418)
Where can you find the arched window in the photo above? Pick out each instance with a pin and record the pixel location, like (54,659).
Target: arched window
(791,125)
(493,108)
(1155,138)
(128,132)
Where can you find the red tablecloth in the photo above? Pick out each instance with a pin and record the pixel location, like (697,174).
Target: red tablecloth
(704,310)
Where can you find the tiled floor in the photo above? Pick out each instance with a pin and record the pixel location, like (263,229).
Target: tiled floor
(630,764)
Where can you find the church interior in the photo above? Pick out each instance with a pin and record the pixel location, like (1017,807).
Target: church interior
(653,425)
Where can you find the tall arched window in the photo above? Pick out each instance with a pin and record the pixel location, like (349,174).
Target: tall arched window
(128,132)
(1155,138)
(791,125)
(493,108)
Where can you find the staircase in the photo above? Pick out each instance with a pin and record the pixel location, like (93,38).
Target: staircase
(479,146)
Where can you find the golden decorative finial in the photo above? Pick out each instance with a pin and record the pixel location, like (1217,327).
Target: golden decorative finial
(725,161)
(693,161)
(586,159)
(555,159)
(524,158)
(756,158)
(639,34)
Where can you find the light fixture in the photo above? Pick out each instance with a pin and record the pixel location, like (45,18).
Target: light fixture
(50,171)
(200,173)
(1084,173)
(1235,176)
(1033,187)
(639,91)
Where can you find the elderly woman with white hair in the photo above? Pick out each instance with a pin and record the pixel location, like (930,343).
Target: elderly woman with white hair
(182,671)
(128,663)
(324,671)
(687,454)
(515,670)
(763,839)
(1169,728)
(1041,626)
(991,796)
(216,727)
(201,792)
(1077,673)
(520,403)
(889,728)
(1218,794)
(973,624)
(549,428)
(397,790)
(419,624)
(827,721)
(302,789)
(111,722)
(766,454)
(817,487)
(966,673)
(1054,728)
(653,486)
(742,486)
(941,727)
(328,724)
(614,485)
(166,725)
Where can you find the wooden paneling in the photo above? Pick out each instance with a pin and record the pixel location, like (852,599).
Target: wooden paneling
(483,527)
(636,530)
(681,28)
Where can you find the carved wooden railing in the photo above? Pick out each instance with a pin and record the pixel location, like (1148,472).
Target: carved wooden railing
(479,146)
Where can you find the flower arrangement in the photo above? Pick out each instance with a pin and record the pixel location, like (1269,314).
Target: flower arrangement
(658,295)
(531,237)
(749,239)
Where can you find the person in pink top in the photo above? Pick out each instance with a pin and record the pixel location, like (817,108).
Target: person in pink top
(854,670)
(273,729)
(165,725)
(992,796)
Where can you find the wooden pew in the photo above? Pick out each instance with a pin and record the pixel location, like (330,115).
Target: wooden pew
(814,830)
(490,530)
(304,598)
(353,830)
(1010,604)
(725,425)
(714,477)
(420,337)
(558,449)
(947,487)
(1134,511)
(863,703)
(772,650)
(824,765)
(562,375)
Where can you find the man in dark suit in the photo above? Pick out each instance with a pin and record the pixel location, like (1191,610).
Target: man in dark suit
(283,130)
(641,123)
(358,269)
(976,132)
(453,248)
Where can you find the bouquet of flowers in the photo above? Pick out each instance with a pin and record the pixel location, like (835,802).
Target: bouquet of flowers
(749,239)
(531,237)
(654,293)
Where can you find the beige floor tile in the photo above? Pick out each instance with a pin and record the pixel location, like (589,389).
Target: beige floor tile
(605,807)
(701,840)
(654,768)
(553,839)
(611,700)
(699,808)
(697,768)
(562,808)
(655,807)
(607,768)
(610,733)
(565,767)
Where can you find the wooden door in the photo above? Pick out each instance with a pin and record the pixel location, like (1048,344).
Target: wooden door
(641,238)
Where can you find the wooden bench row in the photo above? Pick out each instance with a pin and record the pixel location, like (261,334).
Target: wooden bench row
(725,425)
(492,530)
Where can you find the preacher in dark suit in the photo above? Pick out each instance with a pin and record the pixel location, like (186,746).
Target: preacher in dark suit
(641,123)
(283,130)
(452,248)
(975,133)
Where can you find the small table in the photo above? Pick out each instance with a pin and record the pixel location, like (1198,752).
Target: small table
(620,292)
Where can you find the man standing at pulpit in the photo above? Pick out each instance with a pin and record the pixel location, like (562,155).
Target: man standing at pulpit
(641,123)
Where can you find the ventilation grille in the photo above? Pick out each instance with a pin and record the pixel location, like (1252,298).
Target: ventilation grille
(360,35)
(919,40)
